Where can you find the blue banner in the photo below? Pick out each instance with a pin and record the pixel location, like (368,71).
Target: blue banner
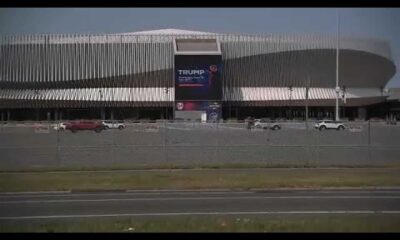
(198,77)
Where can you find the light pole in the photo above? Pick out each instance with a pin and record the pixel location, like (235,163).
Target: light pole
(37,112)
(290,101)
(307,90)
(166,91)
(337,69)
(385,107)
(344,100)
(102,109)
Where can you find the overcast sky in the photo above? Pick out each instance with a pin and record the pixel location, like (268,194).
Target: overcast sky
(382,23)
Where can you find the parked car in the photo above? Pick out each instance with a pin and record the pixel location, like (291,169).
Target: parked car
(329,124)
(109,124)
(267,124)
(74,126)
(60,126)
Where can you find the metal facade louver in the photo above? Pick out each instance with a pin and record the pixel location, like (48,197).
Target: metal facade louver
(135,68)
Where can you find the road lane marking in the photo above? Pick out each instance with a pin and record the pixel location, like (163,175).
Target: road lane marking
(198,198)
(197,213)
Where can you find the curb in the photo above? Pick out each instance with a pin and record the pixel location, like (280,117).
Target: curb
(327,188)
(266,189)
(187,190)
(37,192)
(394,188)
(198,169)
(99,191)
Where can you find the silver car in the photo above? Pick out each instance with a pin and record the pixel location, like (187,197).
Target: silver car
(108,124)
(267,124)
(329,124)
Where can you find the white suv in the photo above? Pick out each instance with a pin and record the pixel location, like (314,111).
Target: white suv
(108,124)
(329,124)
(267,124)
(59,126)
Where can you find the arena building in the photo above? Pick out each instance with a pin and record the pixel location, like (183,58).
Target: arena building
(174,73)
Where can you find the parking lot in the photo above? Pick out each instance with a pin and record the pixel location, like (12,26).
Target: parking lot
(24,146)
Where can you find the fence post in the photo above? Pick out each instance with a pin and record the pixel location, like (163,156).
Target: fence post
(113,139)
(165,142)
(369,132)
(317,147)
(369,141)
(216,141)
(308,147)
(58,147)
(2,121)
(269,147)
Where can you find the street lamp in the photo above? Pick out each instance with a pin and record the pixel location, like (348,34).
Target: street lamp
(37,96)
(307,92)
(337,68)
(385,107)
(166,91)
(344,94)
(344,100)
(290,100)
(102,110)
(337,90)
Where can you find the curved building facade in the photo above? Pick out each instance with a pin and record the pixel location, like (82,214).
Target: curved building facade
(135,72)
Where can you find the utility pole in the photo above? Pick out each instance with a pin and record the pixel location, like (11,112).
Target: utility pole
(337,68)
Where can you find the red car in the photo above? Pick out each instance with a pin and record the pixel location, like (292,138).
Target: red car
(74,126)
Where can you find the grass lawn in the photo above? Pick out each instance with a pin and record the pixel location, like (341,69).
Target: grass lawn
(274,223)
(200,179)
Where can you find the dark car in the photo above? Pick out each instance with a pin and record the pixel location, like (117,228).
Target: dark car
(74,126)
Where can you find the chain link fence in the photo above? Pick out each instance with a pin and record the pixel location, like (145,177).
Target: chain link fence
(29,145)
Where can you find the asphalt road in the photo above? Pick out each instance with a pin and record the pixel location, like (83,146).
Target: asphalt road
(167,203)
(196,143)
